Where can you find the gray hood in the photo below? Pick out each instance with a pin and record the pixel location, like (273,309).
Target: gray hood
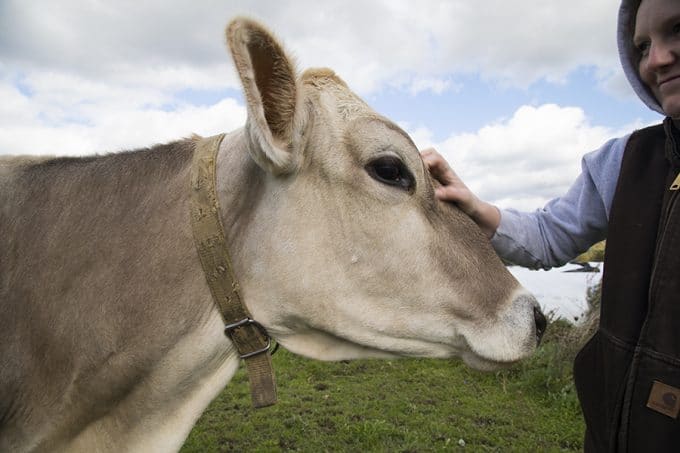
(627,53)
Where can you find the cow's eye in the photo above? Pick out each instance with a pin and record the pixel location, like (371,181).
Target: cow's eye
(391,171)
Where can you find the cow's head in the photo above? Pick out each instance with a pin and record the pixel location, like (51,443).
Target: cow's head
(347,252)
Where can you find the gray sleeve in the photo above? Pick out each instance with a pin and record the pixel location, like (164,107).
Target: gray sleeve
(568,225)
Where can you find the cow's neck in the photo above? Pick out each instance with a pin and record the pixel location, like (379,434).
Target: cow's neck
(240,184)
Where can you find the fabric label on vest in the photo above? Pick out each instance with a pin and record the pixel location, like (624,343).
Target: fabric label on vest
(664,399)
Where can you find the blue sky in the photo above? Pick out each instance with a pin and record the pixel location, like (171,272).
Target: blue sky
(512,94)
(477,102)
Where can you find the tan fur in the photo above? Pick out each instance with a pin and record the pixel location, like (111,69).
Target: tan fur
(312,76)
(109,339)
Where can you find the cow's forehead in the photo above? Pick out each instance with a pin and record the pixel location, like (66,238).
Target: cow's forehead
(342,101)
(350,117)
(330,86)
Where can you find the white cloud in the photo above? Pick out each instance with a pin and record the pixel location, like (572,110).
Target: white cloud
(72,117)
(615,84)
(435,85)
(421,135)
(368,43)
(524,161)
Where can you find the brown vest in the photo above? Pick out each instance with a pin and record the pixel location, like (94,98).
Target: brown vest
(628,375)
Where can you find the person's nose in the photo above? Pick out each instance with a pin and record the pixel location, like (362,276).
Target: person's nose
(660,55)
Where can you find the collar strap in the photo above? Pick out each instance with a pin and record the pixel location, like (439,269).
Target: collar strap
(249,336)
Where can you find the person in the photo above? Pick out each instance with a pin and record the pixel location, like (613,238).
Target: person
(628,375)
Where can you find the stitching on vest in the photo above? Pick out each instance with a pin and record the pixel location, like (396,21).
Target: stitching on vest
(670,360)
(618,341)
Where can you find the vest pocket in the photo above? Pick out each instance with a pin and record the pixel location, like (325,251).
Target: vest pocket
(600,373)
(648,425)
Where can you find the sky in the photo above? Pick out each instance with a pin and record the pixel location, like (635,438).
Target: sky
(511,92)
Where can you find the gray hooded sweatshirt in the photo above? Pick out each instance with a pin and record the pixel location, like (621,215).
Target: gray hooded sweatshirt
(567,226)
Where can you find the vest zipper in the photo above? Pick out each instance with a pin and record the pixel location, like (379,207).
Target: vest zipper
(662,233)
(676,183)
(624,429)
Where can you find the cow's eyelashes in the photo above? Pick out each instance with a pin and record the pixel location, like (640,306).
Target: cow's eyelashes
(391,171)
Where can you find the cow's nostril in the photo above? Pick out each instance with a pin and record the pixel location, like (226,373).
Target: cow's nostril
(541,324)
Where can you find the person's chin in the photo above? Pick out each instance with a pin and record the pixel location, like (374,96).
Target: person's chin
(671,107)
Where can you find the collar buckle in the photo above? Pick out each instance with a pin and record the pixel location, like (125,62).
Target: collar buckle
(229,329)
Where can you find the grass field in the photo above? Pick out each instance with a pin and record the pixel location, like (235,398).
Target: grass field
(408,405)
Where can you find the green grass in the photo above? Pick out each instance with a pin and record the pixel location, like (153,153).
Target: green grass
(408,405)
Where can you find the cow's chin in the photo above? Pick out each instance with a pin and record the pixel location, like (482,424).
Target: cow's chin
(497,350)
(319,345)
(328,348)
(481,364)
(322,345)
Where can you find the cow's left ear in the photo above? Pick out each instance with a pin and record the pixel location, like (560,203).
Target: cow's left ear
(269,83)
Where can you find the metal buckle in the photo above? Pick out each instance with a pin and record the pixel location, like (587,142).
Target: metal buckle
(246,321)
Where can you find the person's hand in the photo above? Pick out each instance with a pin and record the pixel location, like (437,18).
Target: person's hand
(452,187)
(453,190)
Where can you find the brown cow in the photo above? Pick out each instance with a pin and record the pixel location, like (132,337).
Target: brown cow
(109,338)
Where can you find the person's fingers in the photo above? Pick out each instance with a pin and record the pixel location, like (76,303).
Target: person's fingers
(453,194)
(437,166)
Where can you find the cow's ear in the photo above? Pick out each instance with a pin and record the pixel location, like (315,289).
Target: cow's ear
(269,84)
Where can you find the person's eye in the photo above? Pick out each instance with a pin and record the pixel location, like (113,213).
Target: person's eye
(676,29)
(391,171)
(642,47)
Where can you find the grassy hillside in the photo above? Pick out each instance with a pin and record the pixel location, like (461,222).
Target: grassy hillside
(403,405)
(593,254)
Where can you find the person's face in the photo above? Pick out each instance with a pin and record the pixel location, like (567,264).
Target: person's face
(657,37)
